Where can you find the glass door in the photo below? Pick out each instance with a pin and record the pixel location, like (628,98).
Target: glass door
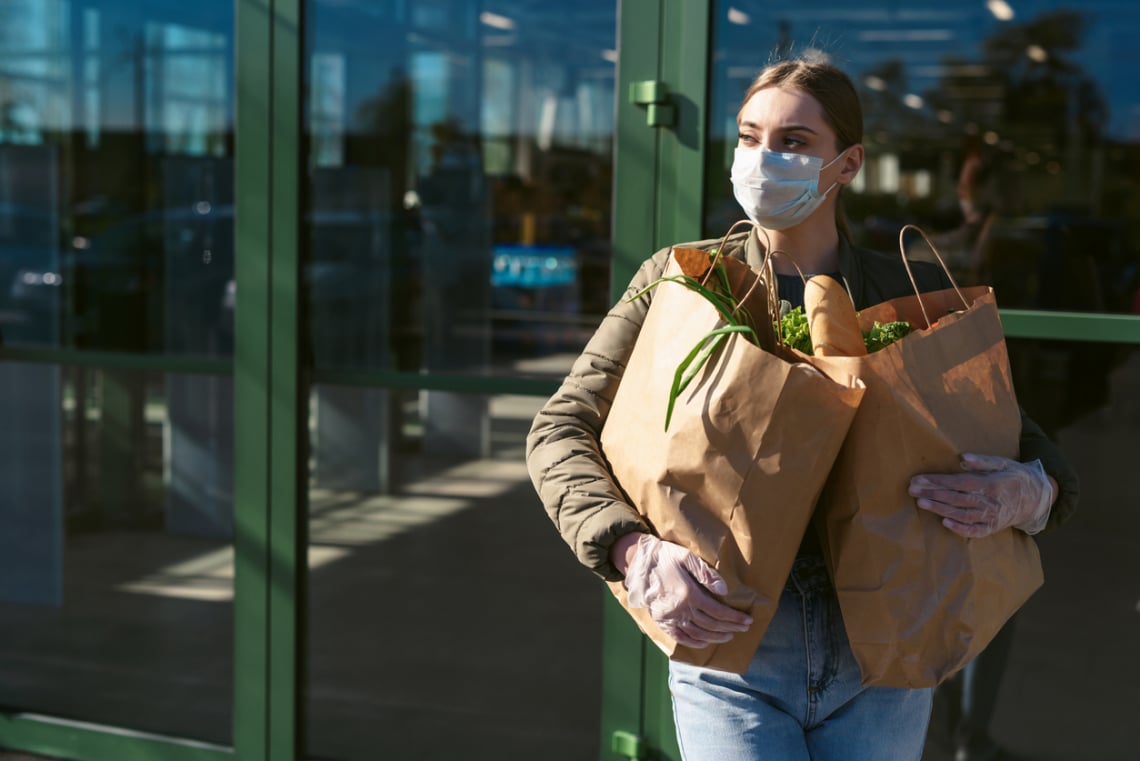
(658,200)
(116,482)
(456,197)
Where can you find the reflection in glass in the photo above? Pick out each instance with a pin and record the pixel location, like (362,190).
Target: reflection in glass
(116,176)
(442,620)
(116,597)
(116,234)
(1010,136)
(456,223)
(450,143)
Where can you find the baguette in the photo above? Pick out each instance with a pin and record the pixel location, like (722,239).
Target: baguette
(832,321)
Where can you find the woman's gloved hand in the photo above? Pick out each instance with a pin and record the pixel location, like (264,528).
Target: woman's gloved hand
(674,585)
(992,494)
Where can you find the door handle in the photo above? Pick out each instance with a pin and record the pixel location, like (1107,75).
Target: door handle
(657,100)
(628,744)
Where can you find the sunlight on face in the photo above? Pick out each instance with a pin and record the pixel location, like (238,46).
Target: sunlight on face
(787,121)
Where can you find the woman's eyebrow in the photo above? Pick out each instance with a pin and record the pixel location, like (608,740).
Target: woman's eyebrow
(787,128)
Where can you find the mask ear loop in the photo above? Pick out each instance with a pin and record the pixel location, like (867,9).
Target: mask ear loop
(835,183)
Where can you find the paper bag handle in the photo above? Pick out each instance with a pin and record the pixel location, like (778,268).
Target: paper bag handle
(909,274)
(724,239)
(767,274)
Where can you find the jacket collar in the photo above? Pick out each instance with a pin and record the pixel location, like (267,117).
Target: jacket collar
(849,265)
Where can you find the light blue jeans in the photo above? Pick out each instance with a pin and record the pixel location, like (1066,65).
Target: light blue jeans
(801,698)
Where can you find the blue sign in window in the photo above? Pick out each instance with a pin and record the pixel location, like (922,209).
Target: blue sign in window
(533,266)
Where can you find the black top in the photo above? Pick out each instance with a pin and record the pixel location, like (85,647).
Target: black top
(791,287)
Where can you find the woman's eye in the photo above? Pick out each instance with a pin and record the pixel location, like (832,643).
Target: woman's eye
(746,139)
(793,142)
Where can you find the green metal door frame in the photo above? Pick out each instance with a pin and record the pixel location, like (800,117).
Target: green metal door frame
(659,159)
(659,151)
(269,495)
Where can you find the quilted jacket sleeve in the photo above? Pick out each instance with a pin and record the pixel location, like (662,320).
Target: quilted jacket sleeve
(1036,445)
(564,455)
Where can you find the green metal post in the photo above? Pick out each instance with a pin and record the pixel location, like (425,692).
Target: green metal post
(252,376)
(635,157)
(658,171)
(634,237)
(268,431)
(685,54)
(658,191)
(287,427)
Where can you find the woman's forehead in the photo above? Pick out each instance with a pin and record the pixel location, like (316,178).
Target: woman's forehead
(776,107)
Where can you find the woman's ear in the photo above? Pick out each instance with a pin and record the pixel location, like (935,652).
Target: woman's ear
(851,165)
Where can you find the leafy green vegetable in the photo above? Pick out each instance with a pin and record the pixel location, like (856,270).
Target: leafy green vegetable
(881,335)
(797,334)
(696,359)
(736,319)
(794,328)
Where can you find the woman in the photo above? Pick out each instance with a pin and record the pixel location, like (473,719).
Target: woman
(800,143)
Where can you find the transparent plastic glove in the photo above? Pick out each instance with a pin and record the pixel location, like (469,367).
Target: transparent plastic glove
(674,585)
(991,494)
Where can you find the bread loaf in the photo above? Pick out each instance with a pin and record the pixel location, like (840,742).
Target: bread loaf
(832,321)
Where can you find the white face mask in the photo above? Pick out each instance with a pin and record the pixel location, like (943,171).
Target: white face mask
(778,190)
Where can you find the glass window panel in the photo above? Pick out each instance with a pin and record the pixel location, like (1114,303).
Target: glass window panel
(459,183)
(457,203)
(116,228)
(116,554)
(116,176)
(456,222)
(1046,695)
(444,618)
(1007,131)
(1047,100)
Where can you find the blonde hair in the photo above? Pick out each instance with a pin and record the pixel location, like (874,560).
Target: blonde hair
(829,85)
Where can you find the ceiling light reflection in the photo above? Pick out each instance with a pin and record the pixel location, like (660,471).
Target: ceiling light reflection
(495,21)
(1000,9)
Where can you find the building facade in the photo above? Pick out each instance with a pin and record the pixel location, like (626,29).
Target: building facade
(283,282)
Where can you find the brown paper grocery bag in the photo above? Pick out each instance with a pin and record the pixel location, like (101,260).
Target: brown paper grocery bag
(918,601)
(735,477)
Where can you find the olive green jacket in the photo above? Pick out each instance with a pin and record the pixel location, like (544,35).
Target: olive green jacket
(564,454)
